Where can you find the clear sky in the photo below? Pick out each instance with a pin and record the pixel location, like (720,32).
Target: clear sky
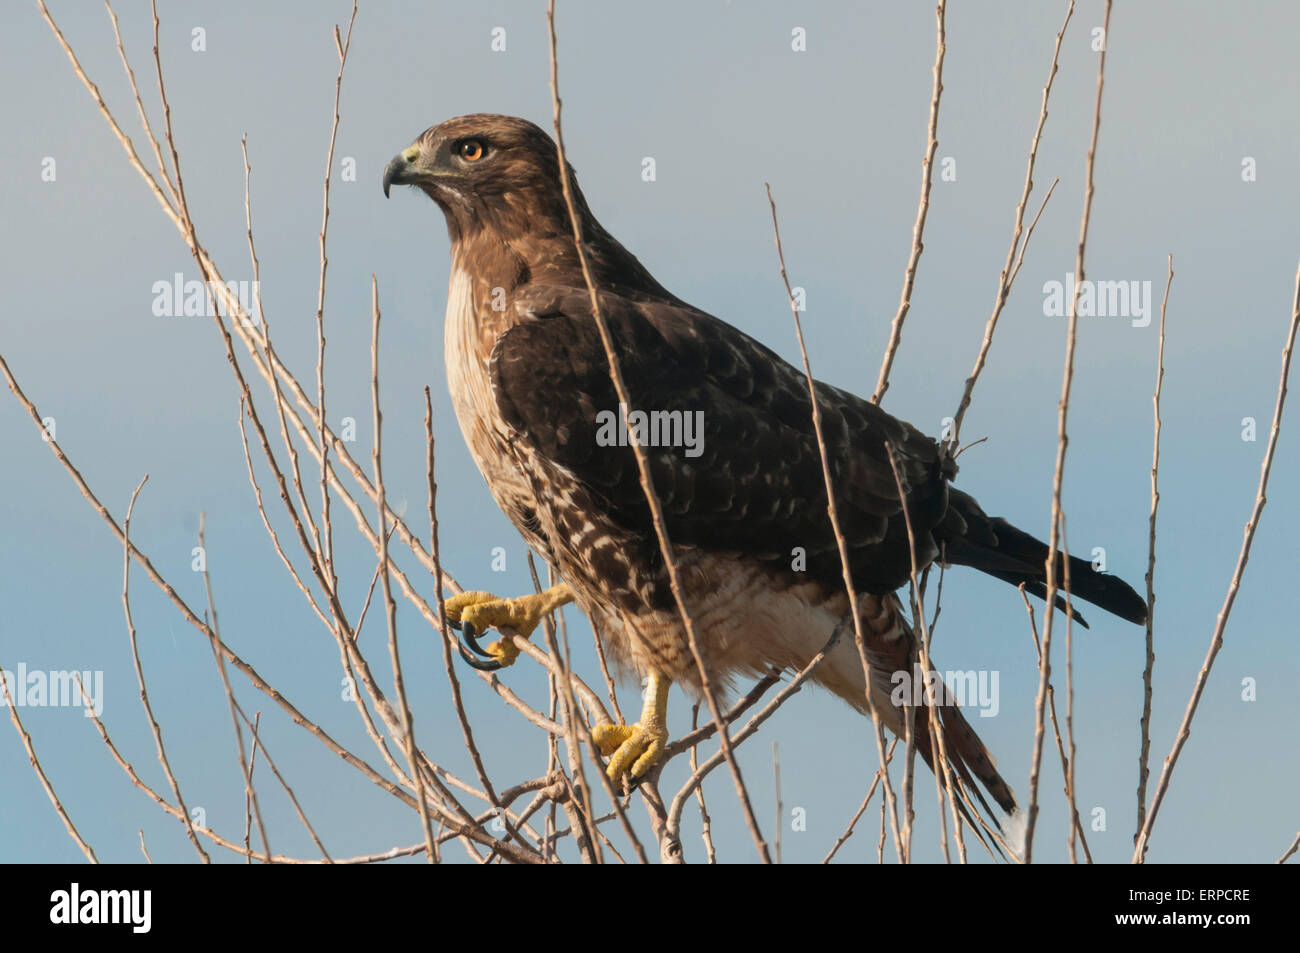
(716,95)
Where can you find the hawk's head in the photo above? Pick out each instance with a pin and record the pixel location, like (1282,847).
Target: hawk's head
(497,180)
(486,171)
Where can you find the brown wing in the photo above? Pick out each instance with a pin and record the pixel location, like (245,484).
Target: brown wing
(756,487)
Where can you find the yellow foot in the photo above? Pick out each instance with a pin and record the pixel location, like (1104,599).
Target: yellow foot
(473,613)
(635,749)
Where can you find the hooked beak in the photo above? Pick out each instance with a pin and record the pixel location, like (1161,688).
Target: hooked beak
(401,170)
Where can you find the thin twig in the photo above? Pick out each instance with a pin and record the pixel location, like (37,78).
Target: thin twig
(1144,753)
(12,704)
(458,703)
(1070,799)
(706,822)
(399,683)
(1008,275)
(258,744)
(922,209)
(139,105)
(214,637)
(1056,726)
(862,808)
(327,534)
(580,729)
(1045,669)
(248,800)
(604,671)
(1290,851)
(578,804)
(139,675)
(295,468)
(780,810)
(266,522)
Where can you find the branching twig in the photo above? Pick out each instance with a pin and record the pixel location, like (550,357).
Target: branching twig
(1056,726)
(1008,275)
(922,209)
(327,536)
(1144,754)
(139,675)
(862,808)
(248,799)
(12,704)
(214,638)
(260,745)
(399,684)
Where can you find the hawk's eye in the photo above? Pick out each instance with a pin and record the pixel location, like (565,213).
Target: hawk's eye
(471,150)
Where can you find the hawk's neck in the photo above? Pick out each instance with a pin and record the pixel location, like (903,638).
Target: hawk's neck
(506,252)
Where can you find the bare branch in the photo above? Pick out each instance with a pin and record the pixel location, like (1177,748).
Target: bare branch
(214,637)
(1045,667)
(1008,274)
(1144,754)
(862,808)
(922,209)
(399,684)
(1290,851)
(139,675)
(12,705)
(327,534)
(1056,726)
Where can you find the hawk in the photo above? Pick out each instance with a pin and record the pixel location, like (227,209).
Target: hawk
(740,479)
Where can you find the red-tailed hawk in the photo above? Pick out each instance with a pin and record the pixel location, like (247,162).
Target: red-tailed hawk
(741,480)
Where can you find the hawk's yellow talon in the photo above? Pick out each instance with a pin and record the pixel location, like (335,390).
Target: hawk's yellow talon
(457,603)
(476,612)
(632,749)
(608,738)
(504,651)
(635,749)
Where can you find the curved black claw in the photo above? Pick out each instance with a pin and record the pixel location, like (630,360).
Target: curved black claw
(469,635)
(487,664)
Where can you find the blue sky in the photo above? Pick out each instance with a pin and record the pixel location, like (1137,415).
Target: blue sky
(715,94)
